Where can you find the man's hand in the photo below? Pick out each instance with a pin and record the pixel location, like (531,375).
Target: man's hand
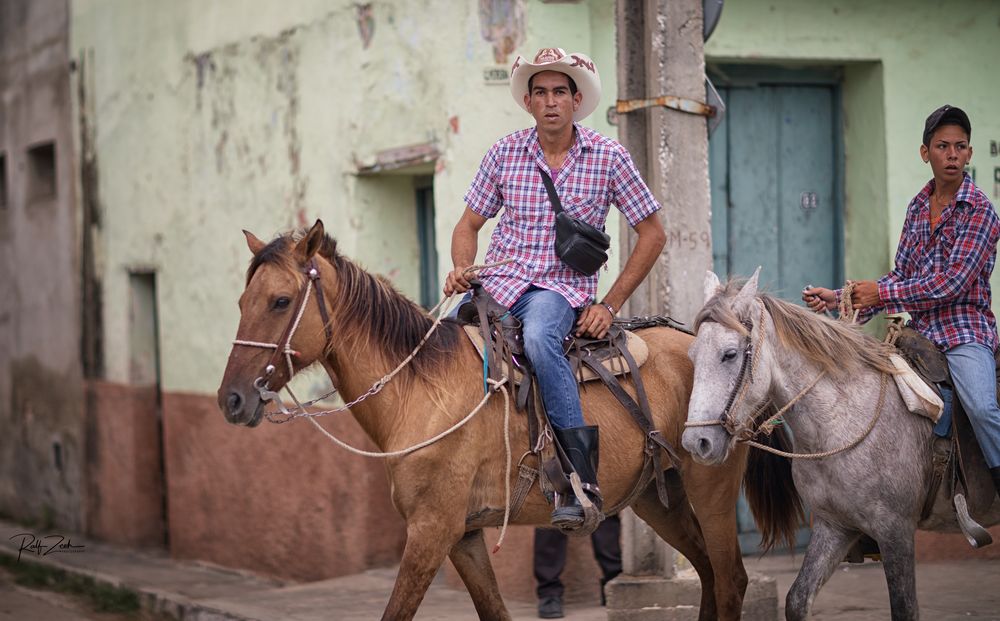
(463,251)
(594,321)
(456,282)
(819,299)
(865,294)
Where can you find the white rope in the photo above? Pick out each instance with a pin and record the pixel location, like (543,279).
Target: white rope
(256,344)
(506,480)
(497,385)
(295,326)
(419,445)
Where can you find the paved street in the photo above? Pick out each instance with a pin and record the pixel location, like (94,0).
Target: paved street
(948,591)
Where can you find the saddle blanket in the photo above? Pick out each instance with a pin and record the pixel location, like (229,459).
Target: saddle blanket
(616,365)
(918,396)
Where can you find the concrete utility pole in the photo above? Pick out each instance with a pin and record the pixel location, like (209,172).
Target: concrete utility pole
(661,52)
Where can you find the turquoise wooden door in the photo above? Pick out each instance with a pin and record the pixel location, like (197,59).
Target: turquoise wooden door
(773,164)
(774,187)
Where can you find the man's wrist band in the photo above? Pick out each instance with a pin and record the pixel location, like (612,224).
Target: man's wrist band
(610,308)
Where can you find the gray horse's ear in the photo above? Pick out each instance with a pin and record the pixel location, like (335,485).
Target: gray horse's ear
(253,242)
(307,247)
(711,285)
(749,290)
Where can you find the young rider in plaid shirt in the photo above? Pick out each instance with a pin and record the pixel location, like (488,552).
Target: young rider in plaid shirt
(942,275)
(590,172)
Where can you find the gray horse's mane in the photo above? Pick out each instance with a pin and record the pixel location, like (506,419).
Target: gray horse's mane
(835,346)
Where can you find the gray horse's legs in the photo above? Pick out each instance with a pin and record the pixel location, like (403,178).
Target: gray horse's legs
(473,564)
(900,575)
(827,548)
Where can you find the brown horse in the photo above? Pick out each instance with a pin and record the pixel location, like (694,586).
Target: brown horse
(448,491)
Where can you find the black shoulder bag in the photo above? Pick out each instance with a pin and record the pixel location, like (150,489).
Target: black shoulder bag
(579,245)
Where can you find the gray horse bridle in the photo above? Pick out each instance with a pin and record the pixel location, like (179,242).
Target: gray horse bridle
(747,368)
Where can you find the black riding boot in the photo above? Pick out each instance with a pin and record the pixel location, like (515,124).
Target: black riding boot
(996,478)
(581,446)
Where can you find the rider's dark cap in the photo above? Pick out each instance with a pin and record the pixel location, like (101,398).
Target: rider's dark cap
(946,115)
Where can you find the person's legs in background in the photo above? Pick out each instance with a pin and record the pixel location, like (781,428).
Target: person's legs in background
(608,550)
(549,560)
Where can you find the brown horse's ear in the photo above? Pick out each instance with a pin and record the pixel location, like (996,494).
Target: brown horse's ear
(255,244)
(309,245)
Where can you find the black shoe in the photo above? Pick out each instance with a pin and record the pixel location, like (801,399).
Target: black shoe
(581,447)
(996,478)
(550,607)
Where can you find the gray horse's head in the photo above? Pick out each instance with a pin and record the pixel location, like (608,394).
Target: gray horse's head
(725,371)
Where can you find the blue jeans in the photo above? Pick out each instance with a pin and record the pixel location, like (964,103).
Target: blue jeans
(973,373)
(547,318)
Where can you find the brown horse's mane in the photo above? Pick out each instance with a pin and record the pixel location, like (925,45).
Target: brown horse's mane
(368,302)
(835,346)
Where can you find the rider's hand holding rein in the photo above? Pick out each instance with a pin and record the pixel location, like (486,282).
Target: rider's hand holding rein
(456,282)
(819,299)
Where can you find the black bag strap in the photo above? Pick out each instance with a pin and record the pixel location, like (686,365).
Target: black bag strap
(551,189)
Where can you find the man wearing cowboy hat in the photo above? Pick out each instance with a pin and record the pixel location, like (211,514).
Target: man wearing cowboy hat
(590,172)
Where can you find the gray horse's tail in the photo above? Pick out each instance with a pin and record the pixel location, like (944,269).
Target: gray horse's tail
(771,493)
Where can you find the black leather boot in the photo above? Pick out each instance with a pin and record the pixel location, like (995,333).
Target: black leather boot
(581,446)
(996,478)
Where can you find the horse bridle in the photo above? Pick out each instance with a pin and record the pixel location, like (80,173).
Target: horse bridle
(283,347)
(747,368)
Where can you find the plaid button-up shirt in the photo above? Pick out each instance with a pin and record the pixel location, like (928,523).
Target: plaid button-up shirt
(942,278)
(597,172)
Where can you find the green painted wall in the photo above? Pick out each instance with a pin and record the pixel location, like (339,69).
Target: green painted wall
(900,60)
(214,117)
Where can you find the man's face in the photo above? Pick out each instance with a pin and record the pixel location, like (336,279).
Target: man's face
(948,153)
(550,100)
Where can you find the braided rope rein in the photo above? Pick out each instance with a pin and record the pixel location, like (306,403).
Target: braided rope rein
(848,314)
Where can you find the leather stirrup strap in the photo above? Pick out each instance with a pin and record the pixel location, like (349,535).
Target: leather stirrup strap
(489,344)
(652,443)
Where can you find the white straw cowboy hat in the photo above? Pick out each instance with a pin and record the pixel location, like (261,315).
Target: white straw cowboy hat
(577,66)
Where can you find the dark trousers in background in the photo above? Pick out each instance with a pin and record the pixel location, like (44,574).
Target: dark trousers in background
(550,556)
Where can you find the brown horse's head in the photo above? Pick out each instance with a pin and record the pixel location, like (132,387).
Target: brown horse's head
(275,285)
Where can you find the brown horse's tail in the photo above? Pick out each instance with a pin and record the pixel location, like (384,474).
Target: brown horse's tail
(771,493)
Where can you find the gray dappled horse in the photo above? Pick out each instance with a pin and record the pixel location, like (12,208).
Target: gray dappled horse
(876,488)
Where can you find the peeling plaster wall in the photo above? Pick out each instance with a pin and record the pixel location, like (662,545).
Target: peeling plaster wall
(41,448)
(903,59)
(230,115)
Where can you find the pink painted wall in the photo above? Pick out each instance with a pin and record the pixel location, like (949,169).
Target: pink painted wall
(124,481)
(950,547)
(278,499)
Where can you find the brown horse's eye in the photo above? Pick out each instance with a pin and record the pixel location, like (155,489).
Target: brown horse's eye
(281,303)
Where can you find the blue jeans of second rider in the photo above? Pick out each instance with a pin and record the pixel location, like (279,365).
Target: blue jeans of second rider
(973,373)
(547,318)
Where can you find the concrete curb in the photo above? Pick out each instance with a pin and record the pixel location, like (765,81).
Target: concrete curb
(152,600)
